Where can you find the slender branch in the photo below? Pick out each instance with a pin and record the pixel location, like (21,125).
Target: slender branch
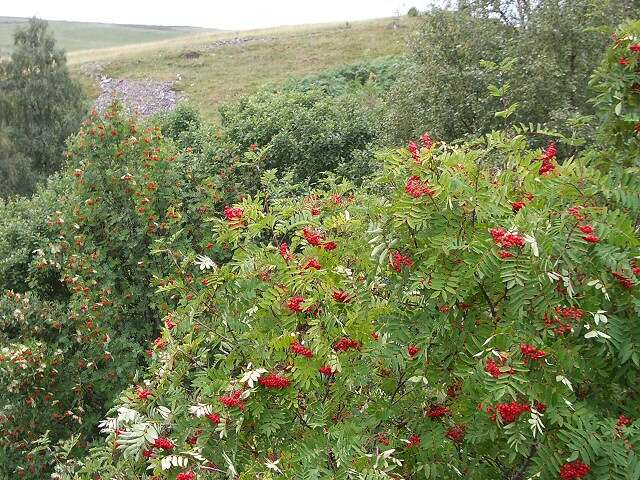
(524,466)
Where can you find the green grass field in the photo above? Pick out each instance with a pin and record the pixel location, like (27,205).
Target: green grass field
(212,74)
(74,36)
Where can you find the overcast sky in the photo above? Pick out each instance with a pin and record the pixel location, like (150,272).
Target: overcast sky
(226,14)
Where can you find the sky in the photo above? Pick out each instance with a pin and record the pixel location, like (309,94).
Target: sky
(225,14)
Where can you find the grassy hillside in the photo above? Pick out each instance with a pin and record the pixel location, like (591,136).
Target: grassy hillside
(74,36)
(216,67)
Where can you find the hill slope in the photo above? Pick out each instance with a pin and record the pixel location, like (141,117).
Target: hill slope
(216,67)
(74,36)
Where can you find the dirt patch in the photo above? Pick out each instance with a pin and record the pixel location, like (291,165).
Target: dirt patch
(144,97)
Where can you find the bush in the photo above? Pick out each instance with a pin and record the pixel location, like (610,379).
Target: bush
(378,75)
(75,339)
(307,132)
(475,316)
(25,236)
(556,45)
(446,89)
(41,104)
(413,12)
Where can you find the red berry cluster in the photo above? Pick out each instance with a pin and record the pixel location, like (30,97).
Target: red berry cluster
(327,371)
(315,239)
(506,239)
(163,443)
(233,400)
(159,343)
(412,350)
(573,470)
(345,344)
(547,157)
(415,151)
(341,296)
(295,304)
(438,411)
(623,280)
(214,417)
(233,215)
(531,352)
(517,206)
(170,324)
(312,263)
(398,261)
(416,188)
(558,327)
(573,313)
(587,230)
(509,412)
(186,476)
(312,236)
(496,368)
(330,245)
(575,212)
(414,441)
(299,349)
(540,407)
(623,421)
(142,393)
(274,381)
(427,141)
(455,434)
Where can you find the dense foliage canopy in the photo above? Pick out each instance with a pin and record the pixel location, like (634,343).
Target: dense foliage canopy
(176,307)
(40,106)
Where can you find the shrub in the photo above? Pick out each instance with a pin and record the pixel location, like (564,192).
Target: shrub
(556,45)
(413,12)
(25,236)
(378,74)
(446,89)
(42,105)
(476,316)
(84,246)
(307,132)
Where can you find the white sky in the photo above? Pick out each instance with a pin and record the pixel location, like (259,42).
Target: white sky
(226,14)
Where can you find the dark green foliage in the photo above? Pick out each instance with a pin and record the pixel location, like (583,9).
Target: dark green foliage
(15,171)
(378,75)
(413,12)
(554,44)
(41,104)
(308,132)
(26,234)
(446,89)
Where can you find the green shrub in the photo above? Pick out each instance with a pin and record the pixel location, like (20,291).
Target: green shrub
(306,132)
(83,246)
(555,45)
(26,233)
(41,104)
(378,74)
(462,320)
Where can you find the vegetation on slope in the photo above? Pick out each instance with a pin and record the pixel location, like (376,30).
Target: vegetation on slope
(468,309)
